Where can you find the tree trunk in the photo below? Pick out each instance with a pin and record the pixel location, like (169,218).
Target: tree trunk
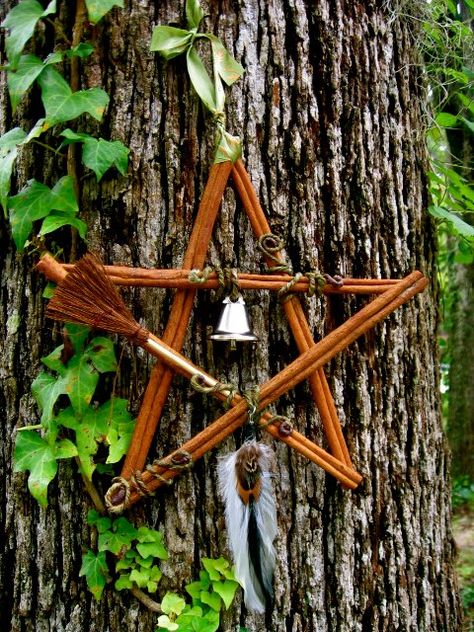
(329,112)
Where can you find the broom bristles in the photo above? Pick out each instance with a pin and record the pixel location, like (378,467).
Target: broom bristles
(87,296)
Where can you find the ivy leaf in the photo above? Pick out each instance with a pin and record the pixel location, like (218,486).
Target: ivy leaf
(82,50)
(54,221)
(101,353)
(21,22)
(77,335)
(226,590)
(211,599)
(33,202)
(35,454)
(170,41)
(101,523)
(165,623)
(28,69)
(172,603)
(81,380)
(121,426)
(469,124)
(151,543)
(445,119)
(95,569)
(123,582)
(99,154)
(140,577)
(98,8)
(210,566)
(194,13)
(458,224)
(121,535)
(46,389)
(65,195)
(38,128)
(65,449)
(8,153)
(62,104)
(224,64)
(194,589)
(201,80)
(228,148)
(90,432)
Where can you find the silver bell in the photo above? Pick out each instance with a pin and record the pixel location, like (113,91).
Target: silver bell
(233,323)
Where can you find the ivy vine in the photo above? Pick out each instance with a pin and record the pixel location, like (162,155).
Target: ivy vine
(75,420)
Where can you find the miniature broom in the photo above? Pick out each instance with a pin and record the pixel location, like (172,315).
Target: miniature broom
(88,297)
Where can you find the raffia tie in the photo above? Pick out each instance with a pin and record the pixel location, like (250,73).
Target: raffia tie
(122,488)
(219,387)
(227,278)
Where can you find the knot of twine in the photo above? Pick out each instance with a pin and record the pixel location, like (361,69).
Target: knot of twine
(229,390)
(227,278)
(270,244)
(252,397)
(285,427)
(117,498)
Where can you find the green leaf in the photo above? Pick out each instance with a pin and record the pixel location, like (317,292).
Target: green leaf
(21,22)
(101,353)
(33,202)
(194,589)
(33,453)
(121,425)
(211,599)
(172,603)
(78,335)
(82,50)
(49,290)
(54,221)
(458,224)
(226,590)
(469,124)
(210,566)
(81,380)
(46,389)
(99,155)
(6,167)
(445,119)
(170,41)
(96,572)
(98,8)
(123,582)
(11,139)
(65,449)
(38,128)
(194,14)
(228,148)
(151,543)
(28,69)
(65,196)
(165,623)
(101,523)
(201,80)
(224,64)
(61,104)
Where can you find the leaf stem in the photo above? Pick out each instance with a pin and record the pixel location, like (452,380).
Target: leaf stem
(92,490)
(147,601)
(32,427)
(46,146)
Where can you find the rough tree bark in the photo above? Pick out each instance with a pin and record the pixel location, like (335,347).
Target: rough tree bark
(329,111)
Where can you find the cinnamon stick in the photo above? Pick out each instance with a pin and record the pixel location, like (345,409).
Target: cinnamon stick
(142,277)
(296,319)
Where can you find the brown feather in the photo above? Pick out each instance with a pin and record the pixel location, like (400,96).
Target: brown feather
(248,472)
(88,297)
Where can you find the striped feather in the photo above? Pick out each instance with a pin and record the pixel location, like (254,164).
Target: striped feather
(251,520)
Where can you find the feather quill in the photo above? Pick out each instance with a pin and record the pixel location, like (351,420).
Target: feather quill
(245,486)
